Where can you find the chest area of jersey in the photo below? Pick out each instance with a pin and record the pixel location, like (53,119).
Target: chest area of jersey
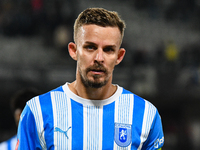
(92,127)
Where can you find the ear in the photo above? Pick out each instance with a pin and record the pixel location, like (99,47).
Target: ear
(121,54)
(72,50)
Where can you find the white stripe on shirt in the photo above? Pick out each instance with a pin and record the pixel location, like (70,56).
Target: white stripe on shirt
(92,124)
(124,114)
(37,112)
(149,114)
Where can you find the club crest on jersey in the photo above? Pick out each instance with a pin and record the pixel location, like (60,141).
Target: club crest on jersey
(122,134)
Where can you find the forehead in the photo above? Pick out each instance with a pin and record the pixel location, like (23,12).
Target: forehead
(95,33)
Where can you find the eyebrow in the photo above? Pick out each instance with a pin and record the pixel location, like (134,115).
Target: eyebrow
(91,43)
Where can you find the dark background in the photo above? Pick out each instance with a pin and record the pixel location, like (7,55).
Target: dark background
(162,62)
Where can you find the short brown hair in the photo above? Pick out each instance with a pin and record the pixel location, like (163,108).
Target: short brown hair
(101,17)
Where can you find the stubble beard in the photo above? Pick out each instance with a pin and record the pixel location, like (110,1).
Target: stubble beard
(95,82)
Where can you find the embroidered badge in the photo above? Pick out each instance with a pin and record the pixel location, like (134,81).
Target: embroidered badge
(123,134)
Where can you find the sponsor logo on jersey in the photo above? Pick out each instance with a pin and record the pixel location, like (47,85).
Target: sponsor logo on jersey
(61,131)
(159,142)
(122,134)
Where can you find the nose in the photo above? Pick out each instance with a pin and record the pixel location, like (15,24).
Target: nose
(99,55)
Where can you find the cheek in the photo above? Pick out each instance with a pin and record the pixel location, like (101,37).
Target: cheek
(83,60)
(112,64)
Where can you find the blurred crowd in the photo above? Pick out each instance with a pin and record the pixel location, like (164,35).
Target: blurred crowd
(171,9)
(47,18)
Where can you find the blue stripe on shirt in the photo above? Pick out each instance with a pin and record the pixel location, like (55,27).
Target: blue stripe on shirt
(77,125)
(9,144)
(108,126)
(138,113)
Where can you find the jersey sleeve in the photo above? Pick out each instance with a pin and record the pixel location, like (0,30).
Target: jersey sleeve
(27,132)
(155,139)
(3,146)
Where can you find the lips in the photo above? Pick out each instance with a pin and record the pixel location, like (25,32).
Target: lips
(98,70)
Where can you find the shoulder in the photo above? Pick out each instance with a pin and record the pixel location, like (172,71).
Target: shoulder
(141,106)
(42,105)
(138,100)
(44,98)
(48,94)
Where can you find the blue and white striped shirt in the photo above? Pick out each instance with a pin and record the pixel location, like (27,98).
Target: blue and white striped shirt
(61,120)
(9,144)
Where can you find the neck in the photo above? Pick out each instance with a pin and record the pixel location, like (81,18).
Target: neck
(104,92)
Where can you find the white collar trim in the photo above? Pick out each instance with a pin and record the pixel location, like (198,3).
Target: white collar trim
(92,102)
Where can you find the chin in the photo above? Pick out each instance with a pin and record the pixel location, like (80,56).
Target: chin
(94,84)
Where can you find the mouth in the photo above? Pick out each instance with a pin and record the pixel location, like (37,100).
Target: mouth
(97,71)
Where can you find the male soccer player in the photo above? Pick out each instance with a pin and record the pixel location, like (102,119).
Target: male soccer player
(91,113)
(18,102)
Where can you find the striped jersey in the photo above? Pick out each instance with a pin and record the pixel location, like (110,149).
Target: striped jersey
(9,144)
(61,120)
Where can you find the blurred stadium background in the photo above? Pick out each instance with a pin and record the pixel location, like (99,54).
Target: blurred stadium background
(162,63)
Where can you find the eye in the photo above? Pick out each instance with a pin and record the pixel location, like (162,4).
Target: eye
(90,47)
(108,49)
